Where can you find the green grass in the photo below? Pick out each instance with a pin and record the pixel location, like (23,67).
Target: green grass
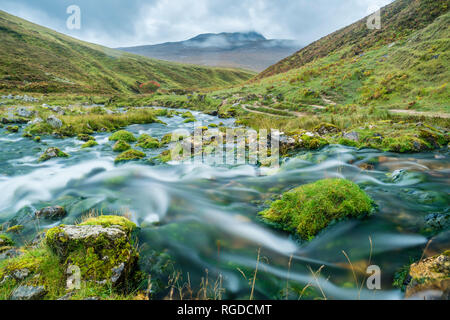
(37,59)
(310,208)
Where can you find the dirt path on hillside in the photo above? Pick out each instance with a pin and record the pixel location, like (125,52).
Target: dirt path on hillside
(421,113)
(293,113)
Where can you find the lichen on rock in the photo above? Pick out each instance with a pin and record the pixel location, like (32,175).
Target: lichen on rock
(430,278)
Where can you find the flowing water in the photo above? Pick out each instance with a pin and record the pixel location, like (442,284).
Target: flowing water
(205,218)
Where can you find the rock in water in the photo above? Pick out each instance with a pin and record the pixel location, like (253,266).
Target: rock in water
(28,293)
(52,153)
(55,212)
(430,278)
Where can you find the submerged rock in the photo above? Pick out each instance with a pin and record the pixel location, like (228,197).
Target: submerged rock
(28,293)
(430,278)
(55,212)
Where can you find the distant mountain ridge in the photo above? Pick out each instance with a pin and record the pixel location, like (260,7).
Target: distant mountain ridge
(247,50)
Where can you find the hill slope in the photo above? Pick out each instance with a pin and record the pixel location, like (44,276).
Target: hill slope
(399,19)
(37,59)
(238,50)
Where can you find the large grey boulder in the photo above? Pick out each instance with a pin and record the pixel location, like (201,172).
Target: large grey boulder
(28,293)
(54,122)
(64,237)
(354,136)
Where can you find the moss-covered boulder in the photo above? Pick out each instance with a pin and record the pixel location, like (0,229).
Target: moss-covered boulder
(430,278)
(130,155)
(310,208)
(5,241)
(85,137)
(145,141)
(101,247)
(121,146)
(89,144)
(51,153)
(12,129)
(123,135)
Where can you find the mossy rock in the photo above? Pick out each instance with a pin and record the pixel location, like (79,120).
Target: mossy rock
(430,275)
(121,146)
(145,141)
(189,120)
(310,208)
(101,247)
(37,139)
(187,114)
(173,137)
(52,153)
(123,135)
(89,144)
(85,137)
(110,221)
(12,129)
(5,241)
(130,155)
(15,229)
(326,128)
(312,142)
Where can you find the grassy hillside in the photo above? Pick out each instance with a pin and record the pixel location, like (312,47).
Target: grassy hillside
(37,59)
(399,20)
(355,93)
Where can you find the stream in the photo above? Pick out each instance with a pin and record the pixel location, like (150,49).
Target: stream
(206,218)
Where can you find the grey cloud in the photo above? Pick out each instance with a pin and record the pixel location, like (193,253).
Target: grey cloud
(118,23)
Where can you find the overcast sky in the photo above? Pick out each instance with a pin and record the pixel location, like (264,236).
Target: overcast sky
(119,23)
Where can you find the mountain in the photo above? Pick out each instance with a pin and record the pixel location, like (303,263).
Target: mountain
(247,50)
(37,59)
(398,20)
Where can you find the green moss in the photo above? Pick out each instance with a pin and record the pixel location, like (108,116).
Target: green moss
(310,208)
(145,141)
(15,229)
(85,137)
(89,144)
(108,221)
(170,137)
(52,153)
(37,139)
(121,146)
(189,120)
(187,114)
(5,240)
(27,135)
(312,143)
(130,155)
(12,128)
(404,144)
(123,135)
